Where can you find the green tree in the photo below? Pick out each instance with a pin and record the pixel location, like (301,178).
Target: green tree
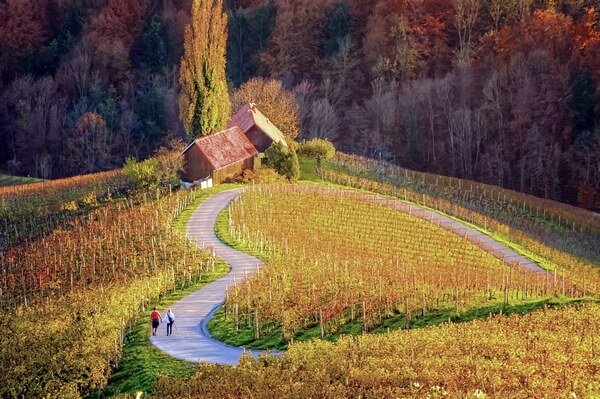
(151,51)
(29,64)
(248,34)
(70,29)
(337,27)
(283,161)
(204,100)
(143,174)
(151,111)
(584,101)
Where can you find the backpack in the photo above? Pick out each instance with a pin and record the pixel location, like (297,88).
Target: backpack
(171,318)
(154,315)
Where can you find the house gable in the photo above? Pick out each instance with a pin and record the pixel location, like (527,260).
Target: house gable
(255,124)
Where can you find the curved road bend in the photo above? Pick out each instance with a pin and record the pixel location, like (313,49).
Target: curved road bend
(191,340)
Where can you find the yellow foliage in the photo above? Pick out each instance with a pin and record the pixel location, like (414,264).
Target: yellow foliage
(545,354)
(272,100)
(204,104)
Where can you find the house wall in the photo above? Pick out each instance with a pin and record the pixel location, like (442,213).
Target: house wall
(196,166)
(259,139)
(220,175)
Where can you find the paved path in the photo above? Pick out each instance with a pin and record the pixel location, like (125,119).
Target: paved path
(191,340)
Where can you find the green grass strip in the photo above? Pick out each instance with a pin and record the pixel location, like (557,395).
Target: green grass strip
(142,362)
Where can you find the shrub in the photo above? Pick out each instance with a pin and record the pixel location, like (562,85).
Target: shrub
(143,174)
(285,162)
(319,149)
(262,175)
(161,168)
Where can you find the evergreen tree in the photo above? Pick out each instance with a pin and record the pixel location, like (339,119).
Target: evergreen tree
(62,43)
(284,161)
(584,102)
(204,100)
(151,51)
(151,111)
(337,27)
(249,31)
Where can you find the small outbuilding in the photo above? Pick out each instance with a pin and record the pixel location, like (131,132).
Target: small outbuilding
(218,156)
(212,159)
(257,127)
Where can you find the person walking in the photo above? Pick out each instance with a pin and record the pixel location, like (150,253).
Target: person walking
(155,319)
(170,319)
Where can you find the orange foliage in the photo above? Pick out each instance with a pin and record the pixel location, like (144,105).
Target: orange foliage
(89,120)
(21,24)
(119,20)
(588,43)
(545,30)
(427,30)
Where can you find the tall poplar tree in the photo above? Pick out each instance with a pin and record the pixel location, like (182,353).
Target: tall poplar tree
(204,100)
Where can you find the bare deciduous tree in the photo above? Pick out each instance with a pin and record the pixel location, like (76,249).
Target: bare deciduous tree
(324,121)
(466,18)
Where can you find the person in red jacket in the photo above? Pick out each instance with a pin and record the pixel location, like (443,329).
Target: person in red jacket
(155,319)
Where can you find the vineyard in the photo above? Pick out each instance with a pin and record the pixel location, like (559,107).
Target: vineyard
(338,257)
(563,227)
(545,354)
(71,294)
(78,266)
(585,271)
(31,209)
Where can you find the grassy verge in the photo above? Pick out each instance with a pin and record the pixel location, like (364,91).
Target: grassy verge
(10,180)
(308,170)
(141,362)
(181,222)
(308,173)
(222,233)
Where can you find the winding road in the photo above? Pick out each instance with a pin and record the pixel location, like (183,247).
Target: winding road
(191,340)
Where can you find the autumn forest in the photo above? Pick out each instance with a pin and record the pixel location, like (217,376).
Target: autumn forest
(505,92)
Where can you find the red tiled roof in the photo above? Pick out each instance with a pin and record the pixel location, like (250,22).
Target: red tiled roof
(225,147)
(249,116)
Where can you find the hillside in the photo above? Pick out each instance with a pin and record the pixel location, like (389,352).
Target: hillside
(316,198)
(337,263)
(502,92)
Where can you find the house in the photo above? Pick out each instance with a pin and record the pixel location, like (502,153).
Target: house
(227,153)
(218,156)
(257,127)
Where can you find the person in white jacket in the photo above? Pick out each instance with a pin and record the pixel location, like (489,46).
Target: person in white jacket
(170,320)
